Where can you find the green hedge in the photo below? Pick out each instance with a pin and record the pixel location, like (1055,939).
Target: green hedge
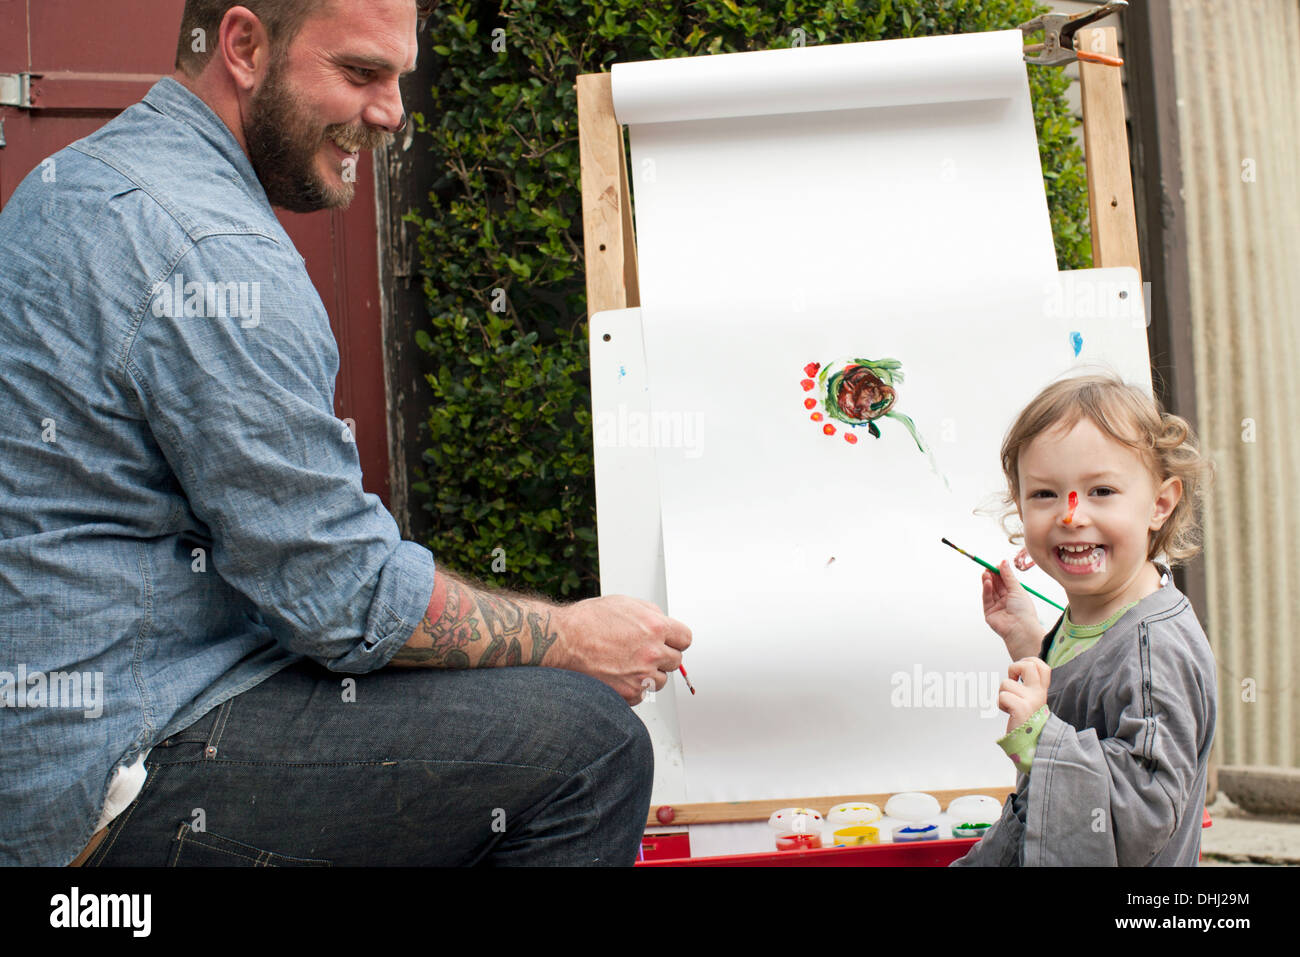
(509,469)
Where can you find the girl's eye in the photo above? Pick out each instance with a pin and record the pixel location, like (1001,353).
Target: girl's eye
(1105,492)
(1042,493)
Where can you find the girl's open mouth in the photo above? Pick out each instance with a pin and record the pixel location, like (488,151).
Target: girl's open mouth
(1080,559)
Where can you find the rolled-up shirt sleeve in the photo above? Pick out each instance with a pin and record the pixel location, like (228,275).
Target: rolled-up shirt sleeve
(234,363)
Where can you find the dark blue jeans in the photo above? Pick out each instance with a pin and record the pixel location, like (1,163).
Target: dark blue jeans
(496,766)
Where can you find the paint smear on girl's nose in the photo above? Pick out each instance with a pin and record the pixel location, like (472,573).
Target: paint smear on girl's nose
(1074,503)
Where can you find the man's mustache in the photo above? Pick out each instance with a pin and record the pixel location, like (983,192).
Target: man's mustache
(357,138)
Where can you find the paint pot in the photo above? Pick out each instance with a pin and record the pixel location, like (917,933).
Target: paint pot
(798,842)
(856,834)
(796,820)
(974,807)
(967,829)
(916,832)
(912,806)
(853,812)
(797,828)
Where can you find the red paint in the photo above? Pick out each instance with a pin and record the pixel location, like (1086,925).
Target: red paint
(809,403)
(828,429)
(850,438)
(798,842)
(811,368)
(1074,503)
(816,416)
(807,384)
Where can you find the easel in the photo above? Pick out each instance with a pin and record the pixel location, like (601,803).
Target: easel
(612,284)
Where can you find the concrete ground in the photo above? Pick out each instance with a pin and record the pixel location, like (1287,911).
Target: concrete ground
(1238,838)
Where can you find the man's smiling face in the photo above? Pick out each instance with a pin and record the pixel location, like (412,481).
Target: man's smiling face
(331,94)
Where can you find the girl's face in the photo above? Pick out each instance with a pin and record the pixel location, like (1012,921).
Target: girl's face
(1098,550)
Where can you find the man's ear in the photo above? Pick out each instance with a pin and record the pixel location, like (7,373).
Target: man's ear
(243,48)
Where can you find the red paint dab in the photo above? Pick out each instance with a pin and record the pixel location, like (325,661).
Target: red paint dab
(807,384)
(828,429)
(850,438)
(1074,503)
(816,416)
(809,403)
(811,368)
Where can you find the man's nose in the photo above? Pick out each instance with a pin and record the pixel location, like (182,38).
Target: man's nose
(385,111)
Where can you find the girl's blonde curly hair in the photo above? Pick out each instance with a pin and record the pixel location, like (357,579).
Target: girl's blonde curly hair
(1165,442)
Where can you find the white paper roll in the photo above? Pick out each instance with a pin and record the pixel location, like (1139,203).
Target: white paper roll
(846,76)
(812,205)
(806,176)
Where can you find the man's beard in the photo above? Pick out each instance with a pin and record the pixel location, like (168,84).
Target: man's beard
(283,144)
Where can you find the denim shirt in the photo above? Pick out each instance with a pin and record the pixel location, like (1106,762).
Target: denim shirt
(181,513)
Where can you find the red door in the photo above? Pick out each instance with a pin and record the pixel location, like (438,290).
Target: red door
(69,66)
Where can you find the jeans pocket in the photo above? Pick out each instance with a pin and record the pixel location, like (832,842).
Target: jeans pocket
(192,848)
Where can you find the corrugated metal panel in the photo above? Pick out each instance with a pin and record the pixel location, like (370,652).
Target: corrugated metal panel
(1238,81)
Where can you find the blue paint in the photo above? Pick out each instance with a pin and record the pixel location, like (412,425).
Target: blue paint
(1076,340)
(622,371)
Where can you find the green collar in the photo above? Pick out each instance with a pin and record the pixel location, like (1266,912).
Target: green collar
(1071,630)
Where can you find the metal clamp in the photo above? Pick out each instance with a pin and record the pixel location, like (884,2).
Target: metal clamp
(1059,29)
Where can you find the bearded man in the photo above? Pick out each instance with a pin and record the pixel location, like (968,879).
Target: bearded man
(182,522)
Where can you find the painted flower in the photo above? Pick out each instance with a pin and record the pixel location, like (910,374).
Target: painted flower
(857,392)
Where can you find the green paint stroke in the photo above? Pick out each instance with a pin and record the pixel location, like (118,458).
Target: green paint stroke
(881,375)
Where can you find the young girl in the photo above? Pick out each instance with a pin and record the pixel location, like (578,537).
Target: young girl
(1112,714)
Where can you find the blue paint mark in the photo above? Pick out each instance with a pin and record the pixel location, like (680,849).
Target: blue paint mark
(1076,340)
(622,371)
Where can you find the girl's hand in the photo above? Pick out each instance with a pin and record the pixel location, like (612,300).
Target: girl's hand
(1009,610)
(1020,699)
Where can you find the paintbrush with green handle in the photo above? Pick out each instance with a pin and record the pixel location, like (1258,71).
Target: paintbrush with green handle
(996,572)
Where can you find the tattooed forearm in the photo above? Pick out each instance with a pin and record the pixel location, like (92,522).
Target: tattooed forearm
(465,627)
(543,635)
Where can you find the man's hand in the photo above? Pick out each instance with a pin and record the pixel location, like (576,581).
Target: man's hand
(625,642)
(1009,611)
(1020,699)
(622,641)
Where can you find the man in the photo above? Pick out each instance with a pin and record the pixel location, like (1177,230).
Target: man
(183,529)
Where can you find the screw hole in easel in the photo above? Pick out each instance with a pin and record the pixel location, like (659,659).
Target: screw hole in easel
(602,247)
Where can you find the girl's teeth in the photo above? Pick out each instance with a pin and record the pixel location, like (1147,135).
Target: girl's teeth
(1089,556)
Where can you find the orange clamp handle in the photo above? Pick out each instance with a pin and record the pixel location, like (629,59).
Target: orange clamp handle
(1099,58)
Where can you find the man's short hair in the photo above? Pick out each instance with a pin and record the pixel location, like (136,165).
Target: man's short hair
(282,19)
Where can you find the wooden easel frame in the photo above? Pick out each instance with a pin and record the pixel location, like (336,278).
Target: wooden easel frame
(609,242)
